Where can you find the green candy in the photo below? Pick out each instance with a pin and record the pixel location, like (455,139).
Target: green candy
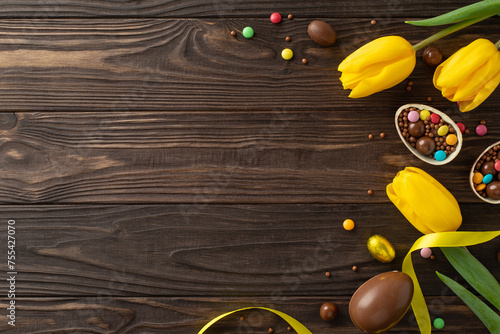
(248,32)
(438,323)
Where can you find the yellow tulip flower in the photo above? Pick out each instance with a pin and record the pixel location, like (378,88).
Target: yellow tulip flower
(470,75)
(425,202)
(378,65)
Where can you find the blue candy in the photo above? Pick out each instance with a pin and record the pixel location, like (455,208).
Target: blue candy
(487,178)
(440,155)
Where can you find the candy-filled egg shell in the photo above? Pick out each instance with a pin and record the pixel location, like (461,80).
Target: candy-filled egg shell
(381,302)
(422,153)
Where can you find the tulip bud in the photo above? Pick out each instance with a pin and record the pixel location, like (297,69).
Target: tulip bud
(378,65)
(425,202)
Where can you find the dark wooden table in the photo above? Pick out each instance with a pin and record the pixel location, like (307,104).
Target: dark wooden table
(161,172)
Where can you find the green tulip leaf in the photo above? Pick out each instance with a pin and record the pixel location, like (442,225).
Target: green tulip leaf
(474,273)
(485,8)
(489,318)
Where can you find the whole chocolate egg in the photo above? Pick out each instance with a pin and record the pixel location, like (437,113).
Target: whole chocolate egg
(425,145)
(381,302)
(416,129)
(322,33)
(493,190)
(488,168)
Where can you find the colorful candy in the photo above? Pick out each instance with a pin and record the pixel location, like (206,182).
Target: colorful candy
(477,178)
(247,32)
(487,178)
(461,126)
(413,116)
(426,252)
(424,113)
(440,155)
(438,323)
(287,54)
(443,130)
(275,18)
(451,139)
(435,118)
(481,130)
(348,224)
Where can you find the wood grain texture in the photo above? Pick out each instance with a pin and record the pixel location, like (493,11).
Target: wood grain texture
(233,250)
(48,9)
(192,64)
(217,157)
(136,315)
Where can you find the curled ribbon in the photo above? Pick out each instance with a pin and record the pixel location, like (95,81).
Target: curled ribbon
(297,326)
(440,239)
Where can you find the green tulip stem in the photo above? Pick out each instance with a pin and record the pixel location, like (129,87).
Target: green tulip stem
(450,30)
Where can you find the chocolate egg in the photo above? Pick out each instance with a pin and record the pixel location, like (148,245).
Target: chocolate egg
(381,302)
(493,190)
(426,145)
(322,33)
(488,168)
(416,129)
(328,311)
(381,249)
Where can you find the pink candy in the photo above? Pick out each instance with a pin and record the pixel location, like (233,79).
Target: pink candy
(413,116)
(481,130)
(426,253)
(497,166)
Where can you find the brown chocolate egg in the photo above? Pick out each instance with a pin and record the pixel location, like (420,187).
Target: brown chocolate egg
(488,168)
(328,311)
(416,129)
(493,190)
(426,145)
(381,302)
(322,33)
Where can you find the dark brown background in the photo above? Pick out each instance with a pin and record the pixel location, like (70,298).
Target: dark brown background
(162,172)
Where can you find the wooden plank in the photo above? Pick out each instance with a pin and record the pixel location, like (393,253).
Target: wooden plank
(105,314)
(192,64)
(217,250)
(216,157)
(216,8)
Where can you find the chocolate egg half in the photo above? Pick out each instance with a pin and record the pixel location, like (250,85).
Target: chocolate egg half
(381,302)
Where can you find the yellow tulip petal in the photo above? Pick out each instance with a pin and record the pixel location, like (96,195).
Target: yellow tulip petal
(482,95)
(437,73)
(471,86)
(379,50)
(389,76)
(465,61)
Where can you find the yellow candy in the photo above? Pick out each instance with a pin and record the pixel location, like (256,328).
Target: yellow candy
(443,130)
(348,224)
(287,54)
(381,249)
(477,178)
(424,114)
(451,139)
(481,187)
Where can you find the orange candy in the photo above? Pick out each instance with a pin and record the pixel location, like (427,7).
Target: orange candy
(477,178)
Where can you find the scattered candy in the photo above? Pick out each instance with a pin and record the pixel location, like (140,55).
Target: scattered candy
(348,224)
(497,165)
(327,274)
(370,136)
(481,130)
(483,122)
(322,33)
(432,257)
(451,139)
(288,38)
(429,99)
(438,323)
(461,126)
(413,116)
(354,268)
(242,318)
(432,56)
(287,54)
(373,22)
(328,311)
(270,330)
(424,113)
(233,33)
(290,16)
(487,178)
(443,130)
(440,155)
(248,32)
(382,135)
(275,18)
(435,118)
(381,249)
(426,253)
(304,61)
(370,192)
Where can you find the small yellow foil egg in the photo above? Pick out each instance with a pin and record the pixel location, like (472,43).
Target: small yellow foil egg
(381,249)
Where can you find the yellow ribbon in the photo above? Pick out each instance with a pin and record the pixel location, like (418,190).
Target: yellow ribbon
(297,326)
(440,239)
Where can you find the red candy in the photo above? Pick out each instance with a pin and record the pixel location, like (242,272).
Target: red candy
(461,126)
(275,18)
(481,130)
(435,118)
(497,166)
